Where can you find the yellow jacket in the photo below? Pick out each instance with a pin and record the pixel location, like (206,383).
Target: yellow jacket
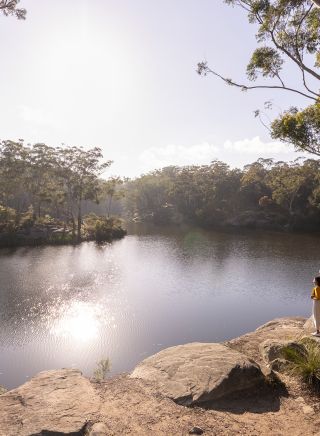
(316,293)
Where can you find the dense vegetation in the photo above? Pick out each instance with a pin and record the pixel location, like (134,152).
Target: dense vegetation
(43,191)
(265,194)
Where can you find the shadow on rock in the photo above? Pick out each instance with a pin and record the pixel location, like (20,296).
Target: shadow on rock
(264,399)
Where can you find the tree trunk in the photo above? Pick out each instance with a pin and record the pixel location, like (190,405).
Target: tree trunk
(79,221)
(73,228)
(109,206)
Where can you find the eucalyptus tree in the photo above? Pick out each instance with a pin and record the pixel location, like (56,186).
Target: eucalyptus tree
(109,191)
(40,180)
(288,31)
(13,170)
(80,170)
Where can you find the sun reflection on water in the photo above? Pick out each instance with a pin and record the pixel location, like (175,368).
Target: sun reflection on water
(79,321)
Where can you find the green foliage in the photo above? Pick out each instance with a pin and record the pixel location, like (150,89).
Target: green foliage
(2,390)
(305,363)
(8,219)
(49,181)
(301,128)
(101,228)
(266,193)
(103,368)
(27,218)
(265,61)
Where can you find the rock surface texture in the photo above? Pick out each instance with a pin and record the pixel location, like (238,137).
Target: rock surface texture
(53,402)
(60,403)
(195,373)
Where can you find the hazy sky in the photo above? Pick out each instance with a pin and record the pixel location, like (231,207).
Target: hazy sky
(120,74)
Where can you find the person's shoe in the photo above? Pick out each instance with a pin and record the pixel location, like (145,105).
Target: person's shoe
(316,334)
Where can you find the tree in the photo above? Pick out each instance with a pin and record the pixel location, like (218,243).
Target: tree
(292,30)
(41,181)
(80,169)
(109,191)
(13,169)
(10,7)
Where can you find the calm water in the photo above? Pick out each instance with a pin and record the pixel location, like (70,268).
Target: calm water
(72,306)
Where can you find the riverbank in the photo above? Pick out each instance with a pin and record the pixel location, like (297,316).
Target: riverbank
(95,228)
(143,403)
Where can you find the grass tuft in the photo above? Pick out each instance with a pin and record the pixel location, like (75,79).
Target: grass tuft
(305,362)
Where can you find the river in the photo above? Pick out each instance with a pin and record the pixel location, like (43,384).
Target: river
(73,306)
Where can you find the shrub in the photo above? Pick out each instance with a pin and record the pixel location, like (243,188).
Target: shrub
(100,228)
(27,218)
(2,390)
(46,220)
(103,367)
(8,218)
(305,363)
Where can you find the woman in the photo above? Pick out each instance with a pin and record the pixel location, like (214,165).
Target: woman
(316,305)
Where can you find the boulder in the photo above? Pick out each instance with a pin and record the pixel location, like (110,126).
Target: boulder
(280,329)
(196,373)
(53,402)
(272,349)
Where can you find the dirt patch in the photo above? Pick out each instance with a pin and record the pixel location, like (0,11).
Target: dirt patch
(132,407)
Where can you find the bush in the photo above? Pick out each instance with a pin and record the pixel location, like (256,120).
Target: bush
(8,218)
(305,363)
(100,228)
(104,366)
(27,218)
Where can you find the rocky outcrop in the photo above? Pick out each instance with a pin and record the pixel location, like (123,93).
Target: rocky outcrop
(281,329)
(273,352)
(272,349)
(196,373)
(64,402)
(53,402)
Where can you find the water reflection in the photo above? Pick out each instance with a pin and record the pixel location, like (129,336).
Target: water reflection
(78,321)
(72,306)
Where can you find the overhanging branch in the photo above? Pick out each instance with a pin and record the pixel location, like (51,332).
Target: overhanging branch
(203,69)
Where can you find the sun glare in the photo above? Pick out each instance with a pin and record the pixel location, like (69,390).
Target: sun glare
(79,322)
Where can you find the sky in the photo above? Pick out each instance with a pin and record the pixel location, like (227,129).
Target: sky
(121,75)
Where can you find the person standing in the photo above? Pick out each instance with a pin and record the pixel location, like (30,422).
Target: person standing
(315,295)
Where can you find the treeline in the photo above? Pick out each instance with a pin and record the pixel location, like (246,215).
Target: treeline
(61,191)
(265,194)
(48,186)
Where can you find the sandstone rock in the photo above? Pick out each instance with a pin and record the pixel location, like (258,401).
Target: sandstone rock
(60,402)
(195,373)
(98,429)
(281,329)
(279,365)
(308,326)
(272,349)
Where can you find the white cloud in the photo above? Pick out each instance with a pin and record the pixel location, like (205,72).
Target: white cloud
(35,116)
(257,146)
(235,153)
(157,157)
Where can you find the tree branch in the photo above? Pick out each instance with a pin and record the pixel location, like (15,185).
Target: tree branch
(296,61)
(304,16)
(203,69)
